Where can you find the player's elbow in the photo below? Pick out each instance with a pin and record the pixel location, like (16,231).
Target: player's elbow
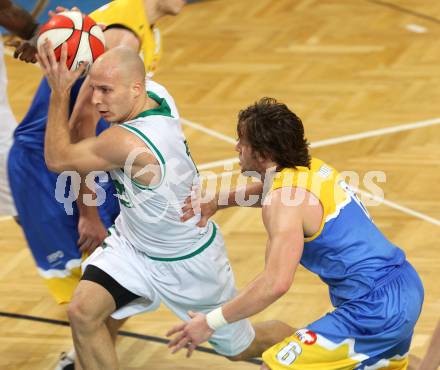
(54,163)
(279,288)
(54,166)
(276,287)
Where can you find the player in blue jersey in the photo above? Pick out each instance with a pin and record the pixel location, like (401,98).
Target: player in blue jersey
(314,219)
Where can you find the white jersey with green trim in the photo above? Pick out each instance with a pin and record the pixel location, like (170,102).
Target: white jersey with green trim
(150,216)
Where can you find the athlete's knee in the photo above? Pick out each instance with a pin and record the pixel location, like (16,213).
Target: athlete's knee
(264,367)
(83,316)
(80,317)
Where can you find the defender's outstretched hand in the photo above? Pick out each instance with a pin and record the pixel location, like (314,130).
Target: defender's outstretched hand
(25,50)
(60,78)
(190,334)
(195,205)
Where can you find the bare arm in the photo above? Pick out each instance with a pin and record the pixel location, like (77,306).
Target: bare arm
(83,121)
(239,195)
(208,207)
(284,249)
(102,153)
(284,225)
(17,20)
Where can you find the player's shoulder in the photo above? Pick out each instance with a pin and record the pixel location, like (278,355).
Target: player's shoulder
(159,91)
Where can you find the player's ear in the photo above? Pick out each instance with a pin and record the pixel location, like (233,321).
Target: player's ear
(137,89)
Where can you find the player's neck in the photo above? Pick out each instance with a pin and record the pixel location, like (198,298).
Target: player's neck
(268,169)
(153,12)
(142,105)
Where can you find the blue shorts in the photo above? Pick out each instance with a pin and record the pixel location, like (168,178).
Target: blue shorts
(375,329)
(51,233)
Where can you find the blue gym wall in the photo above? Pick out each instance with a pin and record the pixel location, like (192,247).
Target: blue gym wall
(85,5)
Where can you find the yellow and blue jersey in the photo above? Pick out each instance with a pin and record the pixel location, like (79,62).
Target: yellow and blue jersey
(377,293)
(132,14)
(349,253)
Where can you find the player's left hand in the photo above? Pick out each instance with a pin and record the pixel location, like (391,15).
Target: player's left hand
(190,334)
(59,77)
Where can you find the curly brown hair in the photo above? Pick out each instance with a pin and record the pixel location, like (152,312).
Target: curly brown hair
(275,133)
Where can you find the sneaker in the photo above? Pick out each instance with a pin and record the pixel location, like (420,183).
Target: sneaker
(66,362)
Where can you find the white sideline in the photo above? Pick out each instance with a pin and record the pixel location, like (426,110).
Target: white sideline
(316,144)
(339,139)
(380,200)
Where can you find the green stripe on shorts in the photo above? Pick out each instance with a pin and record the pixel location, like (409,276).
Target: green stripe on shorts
(196,252)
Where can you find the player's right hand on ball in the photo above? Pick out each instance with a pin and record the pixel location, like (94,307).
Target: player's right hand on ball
(59,77)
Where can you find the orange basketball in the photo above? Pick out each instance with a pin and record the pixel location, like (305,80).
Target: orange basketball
(84,38)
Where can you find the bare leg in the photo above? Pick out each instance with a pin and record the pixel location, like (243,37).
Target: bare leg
(414,362)
(264,367)
(267,334)
(113,326)
(88,312)
(431,361)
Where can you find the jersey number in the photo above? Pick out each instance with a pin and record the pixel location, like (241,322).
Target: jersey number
(289,353)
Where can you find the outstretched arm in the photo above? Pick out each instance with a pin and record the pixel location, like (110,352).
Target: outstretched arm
(250,195)
(17,20)
(283,223)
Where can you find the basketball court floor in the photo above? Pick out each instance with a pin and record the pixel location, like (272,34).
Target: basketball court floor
(363,75)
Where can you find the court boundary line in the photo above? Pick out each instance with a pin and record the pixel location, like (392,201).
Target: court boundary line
(404,10)
(122,333)
(380,200)
(318,144)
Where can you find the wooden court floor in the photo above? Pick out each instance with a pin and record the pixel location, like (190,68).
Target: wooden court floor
(351,69)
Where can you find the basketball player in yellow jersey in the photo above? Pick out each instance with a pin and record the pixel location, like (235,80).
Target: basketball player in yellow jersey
(313,218)
(139,16)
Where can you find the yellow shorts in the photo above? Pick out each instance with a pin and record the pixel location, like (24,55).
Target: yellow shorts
(62,288)
(306,350)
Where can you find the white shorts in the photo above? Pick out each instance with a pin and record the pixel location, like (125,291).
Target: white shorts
(198,283)
(7,127)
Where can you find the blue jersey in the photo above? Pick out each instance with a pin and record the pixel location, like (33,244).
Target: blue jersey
(377,294)
(349,253)
(51,233)
(30,132)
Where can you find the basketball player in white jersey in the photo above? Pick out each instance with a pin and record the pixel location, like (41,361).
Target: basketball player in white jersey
(150,255)
(21,23)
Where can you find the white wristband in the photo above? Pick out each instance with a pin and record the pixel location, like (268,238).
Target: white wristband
(215,319)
